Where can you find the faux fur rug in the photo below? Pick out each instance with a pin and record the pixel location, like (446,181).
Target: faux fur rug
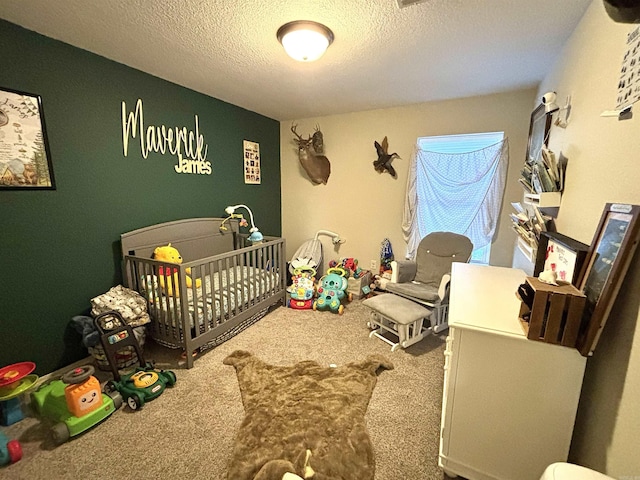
(304,419)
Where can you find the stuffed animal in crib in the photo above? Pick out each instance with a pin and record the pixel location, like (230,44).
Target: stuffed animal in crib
(332,291)
(170,254)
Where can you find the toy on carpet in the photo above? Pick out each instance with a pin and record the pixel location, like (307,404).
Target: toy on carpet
(350,266)
(303,288)
(380,281)
(75,403)
(386,256)
(14,381)
(10,450)
(169,276)
(143,384)
(367,291)
(332,291)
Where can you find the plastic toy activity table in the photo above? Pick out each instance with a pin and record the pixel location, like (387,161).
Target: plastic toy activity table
(14,380)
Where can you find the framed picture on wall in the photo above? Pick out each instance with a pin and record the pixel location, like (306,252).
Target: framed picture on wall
(606,264)
(538,134)
(252,172)
(25,161)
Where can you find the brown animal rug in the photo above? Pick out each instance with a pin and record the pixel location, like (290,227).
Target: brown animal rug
(305,419)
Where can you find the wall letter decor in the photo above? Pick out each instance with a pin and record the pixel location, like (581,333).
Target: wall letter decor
(187,146)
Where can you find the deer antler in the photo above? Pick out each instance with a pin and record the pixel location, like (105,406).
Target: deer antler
(294,126)
(301,141)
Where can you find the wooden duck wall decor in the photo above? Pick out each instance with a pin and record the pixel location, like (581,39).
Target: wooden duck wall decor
(383,163)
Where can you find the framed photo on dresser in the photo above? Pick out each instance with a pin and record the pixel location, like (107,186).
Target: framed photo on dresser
(564,255)
(605,267)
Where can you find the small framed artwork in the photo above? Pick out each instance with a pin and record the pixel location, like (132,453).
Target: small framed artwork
(252,172)
(538,134)
(604,269)
(561,254)
(25,161)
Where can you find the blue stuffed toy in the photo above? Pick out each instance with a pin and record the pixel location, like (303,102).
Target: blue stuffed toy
(332,291)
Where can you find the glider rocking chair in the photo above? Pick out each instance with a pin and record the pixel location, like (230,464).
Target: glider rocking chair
(419,290)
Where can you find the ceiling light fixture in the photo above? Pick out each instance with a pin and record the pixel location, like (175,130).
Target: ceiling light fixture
(304,40)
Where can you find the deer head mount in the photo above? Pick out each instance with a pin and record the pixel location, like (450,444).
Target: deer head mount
(310,154)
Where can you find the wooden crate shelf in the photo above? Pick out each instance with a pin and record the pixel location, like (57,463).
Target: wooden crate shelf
(554,314)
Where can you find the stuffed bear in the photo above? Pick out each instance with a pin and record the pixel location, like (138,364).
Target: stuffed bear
(170,254)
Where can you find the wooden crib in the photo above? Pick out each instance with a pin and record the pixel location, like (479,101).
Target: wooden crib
(237,284)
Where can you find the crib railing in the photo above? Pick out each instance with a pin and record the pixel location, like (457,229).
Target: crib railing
(225,290)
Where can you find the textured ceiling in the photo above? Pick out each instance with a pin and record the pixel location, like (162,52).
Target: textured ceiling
(382,56)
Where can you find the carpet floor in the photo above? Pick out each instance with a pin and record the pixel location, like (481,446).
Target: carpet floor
(188,431)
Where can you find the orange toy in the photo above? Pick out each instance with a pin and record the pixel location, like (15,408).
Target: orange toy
(84,397)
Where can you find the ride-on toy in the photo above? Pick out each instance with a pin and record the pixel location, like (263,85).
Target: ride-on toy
(76,403)
(303,288)
(10,450)
(333,291)
(141,385)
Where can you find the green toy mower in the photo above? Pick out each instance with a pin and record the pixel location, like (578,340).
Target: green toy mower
(143,384)
(74,403)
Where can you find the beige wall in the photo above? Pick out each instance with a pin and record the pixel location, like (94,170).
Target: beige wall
(364,206)
(603,167)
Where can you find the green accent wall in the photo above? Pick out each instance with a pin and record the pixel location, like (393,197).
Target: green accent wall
(60,248)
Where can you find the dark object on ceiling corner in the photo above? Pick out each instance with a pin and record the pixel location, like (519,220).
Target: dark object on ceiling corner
(623,11)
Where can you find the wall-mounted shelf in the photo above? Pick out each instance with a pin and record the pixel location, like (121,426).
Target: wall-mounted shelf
(544,199)
(527,250)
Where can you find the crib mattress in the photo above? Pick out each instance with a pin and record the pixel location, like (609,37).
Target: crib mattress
(216,299)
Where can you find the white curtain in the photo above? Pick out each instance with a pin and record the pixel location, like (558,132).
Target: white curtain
(455,192)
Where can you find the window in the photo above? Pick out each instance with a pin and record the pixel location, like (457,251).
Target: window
(478,162)
(460,143)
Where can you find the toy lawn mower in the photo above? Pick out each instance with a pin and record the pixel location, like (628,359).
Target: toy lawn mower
(75,402)
(143,384)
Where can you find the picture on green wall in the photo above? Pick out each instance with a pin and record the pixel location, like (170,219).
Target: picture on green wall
(25,162)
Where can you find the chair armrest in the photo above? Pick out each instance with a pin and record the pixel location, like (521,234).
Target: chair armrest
(443,289)
(403,271)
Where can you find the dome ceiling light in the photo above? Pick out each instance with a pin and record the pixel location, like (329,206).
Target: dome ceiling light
(304,40)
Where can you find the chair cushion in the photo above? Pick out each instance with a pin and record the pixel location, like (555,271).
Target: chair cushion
(421,291)
(436,252)
(400,310)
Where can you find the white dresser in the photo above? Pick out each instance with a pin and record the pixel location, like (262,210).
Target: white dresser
(509,403)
